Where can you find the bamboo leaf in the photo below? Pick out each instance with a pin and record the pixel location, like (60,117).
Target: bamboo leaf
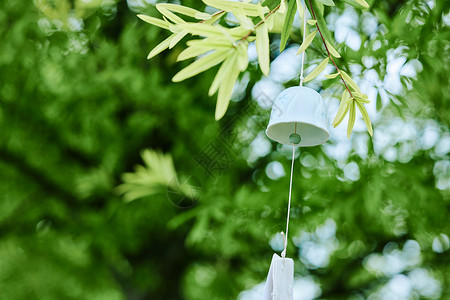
(270,21)
(226,88)
(350,81)
(214,18)
(343,109)
(160,47)
(237,32)
(242,49)
(349,99)
(332,50)
(202,16)
(222,5)
(244,20)
(184,10)
(271,4)
(327,2)
(314,73)
(154,21)
(363,98)
(178,37)
(198,47)
(320,19)
(290,15)
(200,65)
(358,3)
(331,76)
(282,8)
(191,52)
(169,15)
(262,48)
(312,22)
(214,31)
(224,69)
(252,10)
(210,43)
(351,119)
(300,9)
(309,38)
(366,118)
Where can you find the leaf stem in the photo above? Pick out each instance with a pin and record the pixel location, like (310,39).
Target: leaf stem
(328,51)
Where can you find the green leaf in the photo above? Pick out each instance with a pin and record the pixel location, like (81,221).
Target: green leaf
(178,37)
(161,47)
(200,65)
(271,4)
(169,15)
(358,3)
(270,21)
(379,102)
(223,70)
(332,50)
(252,10)
(307,41)
(184,10)
(242,52)
(327,2)
(239,32)
(366,118)
(350,81)
(363,98)
(226,87)
(290,15)
(210,43)
(198,47)
(320,19)
(312,22)
(300,9)
(282,8)
(351,119)
(214,31)
(191,52)
(331,76)
(154,21)
(244,20)
(262,48)
(343,109)
(153,178)
(314,73)
(214,18)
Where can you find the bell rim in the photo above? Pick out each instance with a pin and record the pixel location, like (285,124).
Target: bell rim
(300,145)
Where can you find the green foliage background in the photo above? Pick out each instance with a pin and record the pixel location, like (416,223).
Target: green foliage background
(78,106)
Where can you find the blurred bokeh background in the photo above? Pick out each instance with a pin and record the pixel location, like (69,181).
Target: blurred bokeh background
(80,107)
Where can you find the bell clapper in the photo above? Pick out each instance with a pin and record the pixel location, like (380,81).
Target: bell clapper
(295,138)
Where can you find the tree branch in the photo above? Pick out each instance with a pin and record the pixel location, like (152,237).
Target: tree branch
(328,51)
(262,21)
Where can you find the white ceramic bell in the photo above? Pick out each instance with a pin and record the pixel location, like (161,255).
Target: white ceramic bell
(301,110)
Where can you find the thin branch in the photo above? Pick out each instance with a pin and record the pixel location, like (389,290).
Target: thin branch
(262,21)
(215,14)
(329,54)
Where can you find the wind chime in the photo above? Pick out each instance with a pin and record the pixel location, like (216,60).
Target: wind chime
(298,118)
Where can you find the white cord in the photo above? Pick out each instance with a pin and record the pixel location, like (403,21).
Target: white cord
(303,53)
(283,254)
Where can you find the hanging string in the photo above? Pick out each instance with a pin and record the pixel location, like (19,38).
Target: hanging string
(303,53)
(283,254)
